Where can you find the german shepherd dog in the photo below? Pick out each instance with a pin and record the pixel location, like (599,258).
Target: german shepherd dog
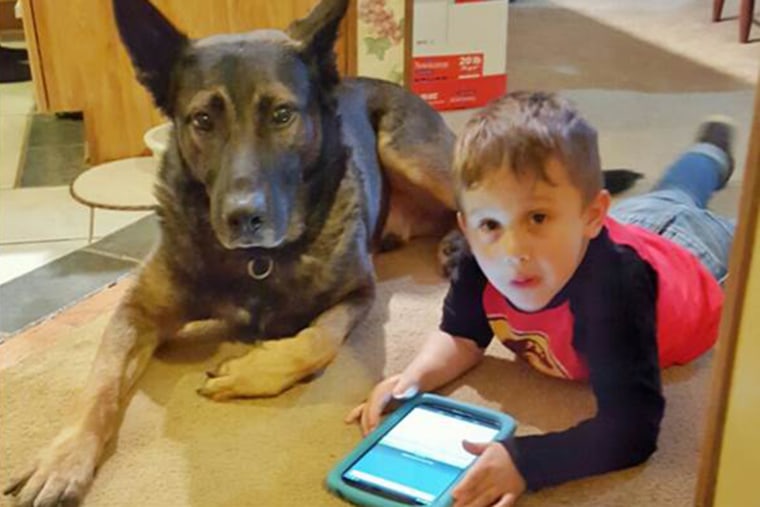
(271,196)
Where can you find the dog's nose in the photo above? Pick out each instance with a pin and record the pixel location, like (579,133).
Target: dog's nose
(244,221)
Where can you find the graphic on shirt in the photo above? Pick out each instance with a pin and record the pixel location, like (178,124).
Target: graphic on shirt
(531,346)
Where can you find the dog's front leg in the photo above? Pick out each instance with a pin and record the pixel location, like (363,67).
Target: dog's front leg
(63,471)
(273,366)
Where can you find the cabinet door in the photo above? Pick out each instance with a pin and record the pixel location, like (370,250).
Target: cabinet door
(79,63)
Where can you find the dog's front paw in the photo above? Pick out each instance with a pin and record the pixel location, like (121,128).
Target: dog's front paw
(62,472)
(267,370)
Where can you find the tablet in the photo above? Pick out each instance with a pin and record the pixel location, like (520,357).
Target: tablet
(415,456)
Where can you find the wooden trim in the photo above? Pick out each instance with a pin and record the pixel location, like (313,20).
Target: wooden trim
(739,266)
(408,42)
(35,58)
(350,43)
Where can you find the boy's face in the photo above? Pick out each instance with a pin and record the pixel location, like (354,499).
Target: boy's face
(529,235)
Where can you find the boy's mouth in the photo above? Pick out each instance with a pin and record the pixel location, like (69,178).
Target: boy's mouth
(524,282)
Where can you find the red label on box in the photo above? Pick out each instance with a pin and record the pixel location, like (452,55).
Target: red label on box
(461,93)
(437,68)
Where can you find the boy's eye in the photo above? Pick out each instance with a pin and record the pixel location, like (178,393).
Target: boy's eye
(488,225)
(538,218)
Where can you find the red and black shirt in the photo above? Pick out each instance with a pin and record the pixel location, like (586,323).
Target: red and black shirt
(637,302)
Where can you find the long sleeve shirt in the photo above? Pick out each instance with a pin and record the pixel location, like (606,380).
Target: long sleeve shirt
(637,302)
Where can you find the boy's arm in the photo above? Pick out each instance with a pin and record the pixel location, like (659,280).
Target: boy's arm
(446,354)
(616,332)
(442,358)
(463,313)
(463,336)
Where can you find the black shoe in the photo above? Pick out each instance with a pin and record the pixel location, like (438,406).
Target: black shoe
(720,133)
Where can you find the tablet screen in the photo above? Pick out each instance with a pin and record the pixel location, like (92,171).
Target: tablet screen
(421,456)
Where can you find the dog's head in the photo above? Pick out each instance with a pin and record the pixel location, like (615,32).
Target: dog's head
(251,112)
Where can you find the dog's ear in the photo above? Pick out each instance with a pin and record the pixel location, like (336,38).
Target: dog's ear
(153,44)
(317,33)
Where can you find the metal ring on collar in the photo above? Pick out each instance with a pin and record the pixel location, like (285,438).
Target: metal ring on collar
(260,267)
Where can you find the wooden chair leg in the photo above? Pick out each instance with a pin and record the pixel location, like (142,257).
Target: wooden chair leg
(717,9)
(746,12)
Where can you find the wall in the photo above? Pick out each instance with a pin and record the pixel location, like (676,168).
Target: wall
(380,39)
(731,454)
(740,454)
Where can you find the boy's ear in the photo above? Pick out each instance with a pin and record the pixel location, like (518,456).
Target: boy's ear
(153,44)
(596,213)
(461,222)
(317,33)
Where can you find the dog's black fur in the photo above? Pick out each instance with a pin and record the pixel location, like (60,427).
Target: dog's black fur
(236,186)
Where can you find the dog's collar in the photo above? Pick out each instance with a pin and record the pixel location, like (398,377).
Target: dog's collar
(260,268)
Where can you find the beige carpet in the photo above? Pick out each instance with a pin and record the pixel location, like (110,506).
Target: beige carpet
(178,449)
(644,72)
(651,45)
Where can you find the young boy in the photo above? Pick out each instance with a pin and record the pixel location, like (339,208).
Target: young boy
(578,293)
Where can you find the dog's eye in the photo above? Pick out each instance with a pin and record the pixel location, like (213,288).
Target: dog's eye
(282,115)
(203,122)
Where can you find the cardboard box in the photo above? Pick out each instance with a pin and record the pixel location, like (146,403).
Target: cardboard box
(459,52)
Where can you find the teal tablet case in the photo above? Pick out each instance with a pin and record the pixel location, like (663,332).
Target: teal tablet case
(358,496)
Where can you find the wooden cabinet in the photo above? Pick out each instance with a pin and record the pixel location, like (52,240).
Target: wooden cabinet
(79,64)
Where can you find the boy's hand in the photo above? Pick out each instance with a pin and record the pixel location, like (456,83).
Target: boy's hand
(368,413)
(493,479)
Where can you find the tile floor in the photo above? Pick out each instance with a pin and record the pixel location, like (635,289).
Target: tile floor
(46,260)
(38,224)
(55,151)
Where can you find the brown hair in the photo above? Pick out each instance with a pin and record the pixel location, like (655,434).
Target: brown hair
(521,131)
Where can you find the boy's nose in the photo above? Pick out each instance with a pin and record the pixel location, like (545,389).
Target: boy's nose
(513,246)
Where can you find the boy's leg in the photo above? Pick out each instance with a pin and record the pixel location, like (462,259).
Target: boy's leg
(703,168)
(675,207)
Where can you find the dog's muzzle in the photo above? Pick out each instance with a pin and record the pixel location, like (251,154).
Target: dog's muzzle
(247,222)
(245,229)
(244,222)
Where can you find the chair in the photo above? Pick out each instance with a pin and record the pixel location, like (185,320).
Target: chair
(746,11)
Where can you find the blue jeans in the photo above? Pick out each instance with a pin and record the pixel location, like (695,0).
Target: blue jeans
(676,208)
